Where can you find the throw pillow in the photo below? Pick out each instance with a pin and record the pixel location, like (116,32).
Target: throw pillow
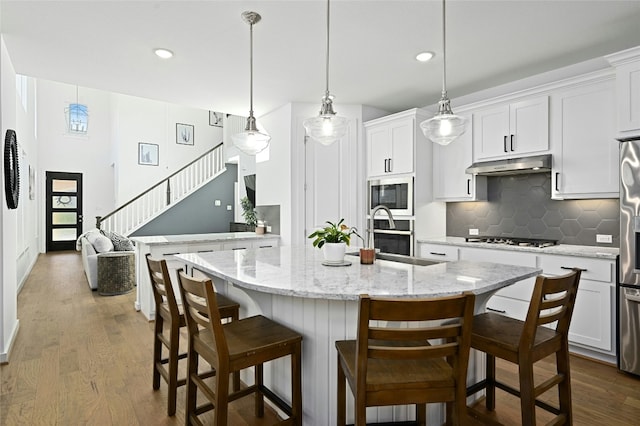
(100,242)
(120,242)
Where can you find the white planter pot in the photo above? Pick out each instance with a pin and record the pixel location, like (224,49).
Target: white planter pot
(334,252)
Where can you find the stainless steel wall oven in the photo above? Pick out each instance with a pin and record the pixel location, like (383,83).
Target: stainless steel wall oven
(398,241)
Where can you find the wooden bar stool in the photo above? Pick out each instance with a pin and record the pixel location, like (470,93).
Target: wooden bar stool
(525,343)
(169,313)
(423,363)
(231,347)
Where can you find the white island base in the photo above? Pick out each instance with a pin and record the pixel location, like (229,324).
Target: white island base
(291,286)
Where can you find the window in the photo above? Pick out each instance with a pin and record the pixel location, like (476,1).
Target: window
(77,119)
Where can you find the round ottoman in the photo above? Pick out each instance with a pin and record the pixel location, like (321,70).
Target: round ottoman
(116,273)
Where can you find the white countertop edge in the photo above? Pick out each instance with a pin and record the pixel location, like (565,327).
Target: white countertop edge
(200,238)
(560,249)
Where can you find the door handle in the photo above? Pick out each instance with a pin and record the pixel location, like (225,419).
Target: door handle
(557,177)
(512,143)
(504,143)
(468,186)
(385,165)
(390,169)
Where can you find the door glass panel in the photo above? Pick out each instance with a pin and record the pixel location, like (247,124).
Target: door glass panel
(69,218)
(63,234)
(64,202)
(60,185)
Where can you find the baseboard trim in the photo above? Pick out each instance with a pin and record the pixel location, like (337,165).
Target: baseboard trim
(4,356)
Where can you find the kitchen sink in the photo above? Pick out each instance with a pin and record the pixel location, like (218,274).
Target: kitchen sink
(399,258)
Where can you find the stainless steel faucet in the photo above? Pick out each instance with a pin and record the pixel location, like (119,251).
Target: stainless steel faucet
(374,210)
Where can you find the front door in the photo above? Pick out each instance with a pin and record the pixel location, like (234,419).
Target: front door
(63,210)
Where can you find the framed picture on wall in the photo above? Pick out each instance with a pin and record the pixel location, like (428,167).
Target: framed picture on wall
(184,134)
(215,118)
(148,154)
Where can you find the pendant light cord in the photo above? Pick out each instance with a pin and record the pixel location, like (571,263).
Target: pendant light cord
(327,69)
(444,51)
(251,69)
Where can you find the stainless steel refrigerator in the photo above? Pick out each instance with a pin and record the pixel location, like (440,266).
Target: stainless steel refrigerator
(628,287)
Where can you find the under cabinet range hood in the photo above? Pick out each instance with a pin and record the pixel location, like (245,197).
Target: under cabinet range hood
(511,166)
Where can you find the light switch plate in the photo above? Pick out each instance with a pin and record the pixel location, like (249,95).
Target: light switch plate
(473,231)
(604,238)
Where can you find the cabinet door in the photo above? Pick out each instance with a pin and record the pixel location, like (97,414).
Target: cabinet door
(529,126)
(583,127)
(490,131)
(402,141)
(628,90)
(592,315)
(378,150)
(450,181)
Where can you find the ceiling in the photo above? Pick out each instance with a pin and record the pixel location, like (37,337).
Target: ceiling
(109,45)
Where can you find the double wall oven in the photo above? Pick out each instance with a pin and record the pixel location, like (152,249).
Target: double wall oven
(397,195)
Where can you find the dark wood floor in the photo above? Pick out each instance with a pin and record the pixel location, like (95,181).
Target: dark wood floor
(85,359)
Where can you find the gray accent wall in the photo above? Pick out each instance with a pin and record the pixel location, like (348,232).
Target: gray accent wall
(521,206)
(198,214)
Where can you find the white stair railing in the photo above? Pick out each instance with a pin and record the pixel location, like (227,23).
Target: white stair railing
(146,206)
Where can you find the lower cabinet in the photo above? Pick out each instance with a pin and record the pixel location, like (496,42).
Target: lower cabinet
(592,331)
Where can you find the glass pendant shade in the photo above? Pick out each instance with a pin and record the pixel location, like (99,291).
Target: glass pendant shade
(251,141)
(445,126)
(327,127)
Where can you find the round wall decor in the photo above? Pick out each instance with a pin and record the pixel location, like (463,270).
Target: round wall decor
(11,170)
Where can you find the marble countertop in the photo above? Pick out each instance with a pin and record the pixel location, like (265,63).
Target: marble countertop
(298,272)
(560,249)
(199,238)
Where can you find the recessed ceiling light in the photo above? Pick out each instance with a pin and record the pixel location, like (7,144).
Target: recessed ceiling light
(425,56)
(163,53)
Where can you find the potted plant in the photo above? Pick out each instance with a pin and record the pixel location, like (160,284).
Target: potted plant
(333,240)
(248,212)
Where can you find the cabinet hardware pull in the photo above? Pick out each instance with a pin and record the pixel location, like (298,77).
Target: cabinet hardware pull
(239,248)
(496,310)
(573,267)
(266,246)
(557,177)
(512,143)
(385,165)
(390,168)
(437,254)
(468,186)
(504,143)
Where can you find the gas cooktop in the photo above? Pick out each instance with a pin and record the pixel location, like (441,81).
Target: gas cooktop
(512,241)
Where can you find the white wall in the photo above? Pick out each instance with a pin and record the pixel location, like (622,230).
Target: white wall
(8,218)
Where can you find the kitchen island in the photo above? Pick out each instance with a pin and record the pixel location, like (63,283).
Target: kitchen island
(164,246)
(290,285)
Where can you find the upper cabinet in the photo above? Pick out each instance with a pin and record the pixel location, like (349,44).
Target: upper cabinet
(450,181)
(583,136)
(627,66)
(511,130)
(391,143)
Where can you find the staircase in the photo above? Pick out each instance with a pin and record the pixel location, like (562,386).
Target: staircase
(166,193)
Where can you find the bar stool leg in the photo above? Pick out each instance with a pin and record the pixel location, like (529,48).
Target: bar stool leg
(157,351)
(172,384)
(564,387)
(527,393)
(296,384)
(192,389)
(221,405)
(491,383)
(259,398)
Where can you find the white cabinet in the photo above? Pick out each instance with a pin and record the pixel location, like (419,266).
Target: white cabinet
(391,143)
(583,134)
(438,252)
(593,314)
(450,182)
(511,130)
(627,65)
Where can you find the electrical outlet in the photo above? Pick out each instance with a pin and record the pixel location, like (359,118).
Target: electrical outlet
(604,238)
(268,228)
(229,207)
(473,231)
(217,202)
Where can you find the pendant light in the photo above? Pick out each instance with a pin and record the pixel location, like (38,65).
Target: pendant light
(251,141)
(327,127)
(445,126)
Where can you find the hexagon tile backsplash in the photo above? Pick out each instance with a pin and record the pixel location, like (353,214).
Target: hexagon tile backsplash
(521,206)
